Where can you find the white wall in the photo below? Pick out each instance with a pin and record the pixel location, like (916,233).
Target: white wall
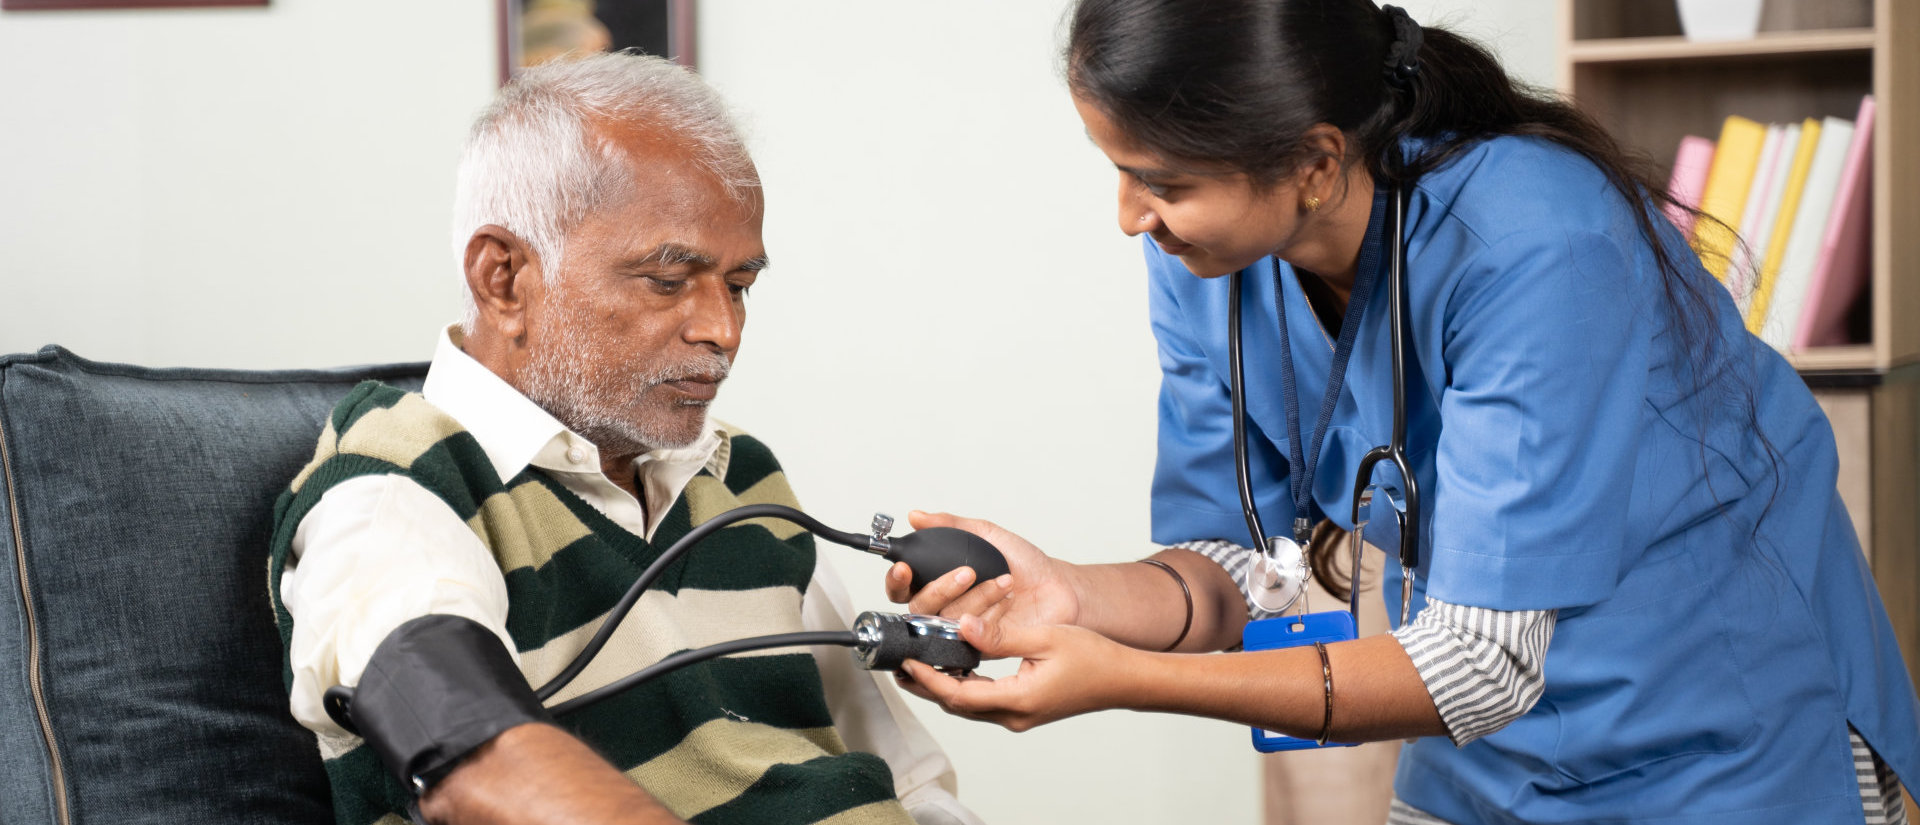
(953,320)
(233,187)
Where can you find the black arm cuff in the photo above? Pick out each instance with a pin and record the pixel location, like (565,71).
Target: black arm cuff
(437,688)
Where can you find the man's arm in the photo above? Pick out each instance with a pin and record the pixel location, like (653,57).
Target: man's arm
(536,774)
(349,589)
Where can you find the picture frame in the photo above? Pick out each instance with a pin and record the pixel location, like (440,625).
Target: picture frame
(663,27)
(69,5)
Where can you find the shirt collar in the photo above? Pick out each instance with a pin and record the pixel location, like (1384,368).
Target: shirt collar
(516,433)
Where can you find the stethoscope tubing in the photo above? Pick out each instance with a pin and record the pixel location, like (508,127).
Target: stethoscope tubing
(1394,450)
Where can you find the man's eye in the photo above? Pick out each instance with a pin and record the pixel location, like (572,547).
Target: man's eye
(740,289)
(666,285)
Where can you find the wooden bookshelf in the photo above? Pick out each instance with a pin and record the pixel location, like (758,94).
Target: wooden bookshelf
(1627,63)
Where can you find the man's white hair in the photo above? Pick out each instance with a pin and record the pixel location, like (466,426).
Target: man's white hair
(535,165)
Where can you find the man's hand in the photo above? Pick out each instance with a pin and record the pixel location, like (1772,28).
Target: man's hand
(1037,591)
(535,774)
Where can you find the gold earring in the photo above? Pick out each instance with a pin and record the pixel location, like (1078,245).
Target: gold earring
(1311,203)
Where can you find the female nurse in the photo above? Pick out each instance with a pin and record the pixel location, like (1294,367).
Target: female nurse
(1638,597)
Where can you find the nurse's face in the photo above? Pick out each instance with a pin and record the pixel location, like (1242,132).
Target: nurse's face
(1215,221)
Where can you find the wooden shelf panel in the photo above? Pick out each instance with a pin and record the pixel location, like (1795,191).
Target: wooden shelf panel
(1835,358)
(1765,45)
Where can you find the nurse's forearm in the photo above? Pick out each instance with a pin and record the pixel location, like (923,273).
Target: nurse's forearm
(1140,605)
(1377,694)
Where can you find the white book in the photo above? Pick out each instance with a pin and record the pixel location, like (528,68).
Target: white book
(1802,252)
(1763,205)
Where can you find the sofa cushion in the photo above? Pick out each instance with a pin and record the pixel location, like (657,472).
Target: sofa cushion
(134,522)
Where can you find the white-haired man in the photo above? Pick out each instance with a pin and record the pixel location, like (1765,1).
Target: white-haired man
(467,541)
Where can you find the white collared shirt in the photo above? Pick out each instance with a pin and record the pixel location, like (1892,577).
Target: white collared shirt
(346,592)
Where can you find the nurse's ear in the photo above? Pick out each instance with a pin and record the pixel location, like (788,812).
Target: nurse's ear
(1321,177)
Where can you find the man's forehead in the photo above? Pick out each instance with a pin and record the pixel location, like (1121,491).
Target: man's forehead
(639,134)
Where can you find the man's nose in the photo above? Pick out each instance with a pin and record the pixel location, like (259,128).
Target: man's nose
(714,317)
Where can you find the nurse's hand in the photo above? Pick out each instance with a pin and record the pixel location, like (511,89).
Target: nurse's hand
(1038,590)
(1064,671)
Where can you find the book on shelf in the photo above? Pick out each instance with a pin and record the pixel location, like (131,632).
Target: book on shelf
(1760,237)
(1846,253)
(1690,166)
(1792,209)
(1770,262)
(1728,179)
(1803,245)
(1763,202)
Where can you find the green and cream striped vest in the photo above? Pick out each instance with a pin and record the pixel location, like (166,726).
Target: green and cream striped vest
(743,739)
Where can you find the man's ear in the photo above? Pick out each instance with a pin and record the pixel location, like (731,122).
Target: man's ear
(499,267)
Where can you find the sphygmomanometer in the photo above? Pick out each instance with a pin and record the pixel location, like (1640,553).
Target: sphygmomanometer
(440,686)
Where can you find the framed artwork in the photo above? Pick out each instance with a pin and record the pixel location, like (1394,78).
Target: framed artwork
(535,31)
(25,5)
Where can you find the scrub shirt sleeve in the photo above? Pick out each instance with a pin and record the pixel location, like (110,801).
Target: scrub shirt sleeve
(1195,495)
(1546,353)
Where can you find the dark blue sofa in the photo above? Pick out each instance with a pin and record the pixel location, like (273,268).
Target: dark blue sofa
(140,673)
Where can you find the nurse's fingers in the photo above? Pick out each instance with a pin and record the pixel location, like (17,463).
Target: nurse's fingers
(976,601)
(1003,640)
(937,594)
(931,684)
(899,583)
(1000,702)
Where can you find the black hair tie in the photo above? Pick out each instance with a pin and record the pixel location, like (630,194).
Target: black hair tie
(1403,56)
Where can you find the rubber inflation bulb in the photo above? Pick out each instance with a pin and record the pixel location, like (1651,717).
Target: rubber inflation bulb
(937,551)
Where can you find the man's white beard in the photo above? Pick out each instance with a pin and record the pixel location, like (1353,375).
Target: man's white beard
(601,407)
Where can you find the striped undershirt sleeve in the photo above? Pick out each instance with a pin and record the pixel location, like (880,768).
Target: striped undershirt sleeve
(1234,559)
(1483,667)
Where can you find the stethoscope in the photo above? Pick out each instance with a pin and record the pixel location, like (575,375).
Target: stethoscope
(1281,568)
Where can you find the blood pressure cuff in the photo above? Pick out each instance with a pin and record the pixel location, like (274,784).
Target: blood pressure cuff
(437,688)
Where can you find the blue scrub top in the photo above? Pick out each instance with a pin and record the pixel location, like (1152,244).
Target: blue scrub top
(1571,459)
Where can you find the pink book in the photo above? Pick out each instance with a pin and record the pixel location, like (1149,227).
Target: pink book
(1846,251)
(1690,165)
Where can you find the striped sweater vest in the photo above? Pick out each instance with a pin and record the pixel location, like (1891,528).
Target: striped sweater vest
(743,739)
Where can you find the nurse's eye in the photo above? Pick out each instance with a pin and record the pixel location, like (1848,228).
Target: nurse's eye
(1161,189)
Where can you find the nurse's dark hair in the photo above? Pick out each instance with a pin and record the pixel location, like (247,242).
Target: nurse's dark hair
(1236,84)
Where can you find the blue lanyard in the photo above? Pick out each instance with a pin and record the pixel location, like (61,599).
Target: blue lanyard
(1305,461)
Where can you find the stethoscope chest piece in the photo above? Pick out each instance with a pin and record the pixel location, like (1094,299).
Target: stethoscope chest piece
(1278,575)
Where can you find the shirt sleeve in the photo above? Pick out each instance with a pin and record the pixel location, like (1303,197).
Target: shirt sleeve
(1238,562)
(372,554)
(871,717)
(1195,495)
(1546,350)
(1484,668)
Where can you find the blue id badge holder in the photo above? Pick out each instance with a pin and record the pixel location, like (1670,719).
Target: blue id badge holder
(1295,631)
(1303,629)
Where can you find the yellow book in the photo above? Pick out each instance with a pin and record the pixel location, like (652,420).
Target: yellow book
(1783,226)
(1735,158)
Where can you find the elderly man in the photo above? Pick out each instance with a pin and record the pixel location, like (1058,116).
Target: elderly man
(608,226)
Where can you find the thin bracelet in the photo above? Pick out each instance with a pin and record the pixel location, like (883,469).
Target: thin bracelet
(1326,674)
(1184,593)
